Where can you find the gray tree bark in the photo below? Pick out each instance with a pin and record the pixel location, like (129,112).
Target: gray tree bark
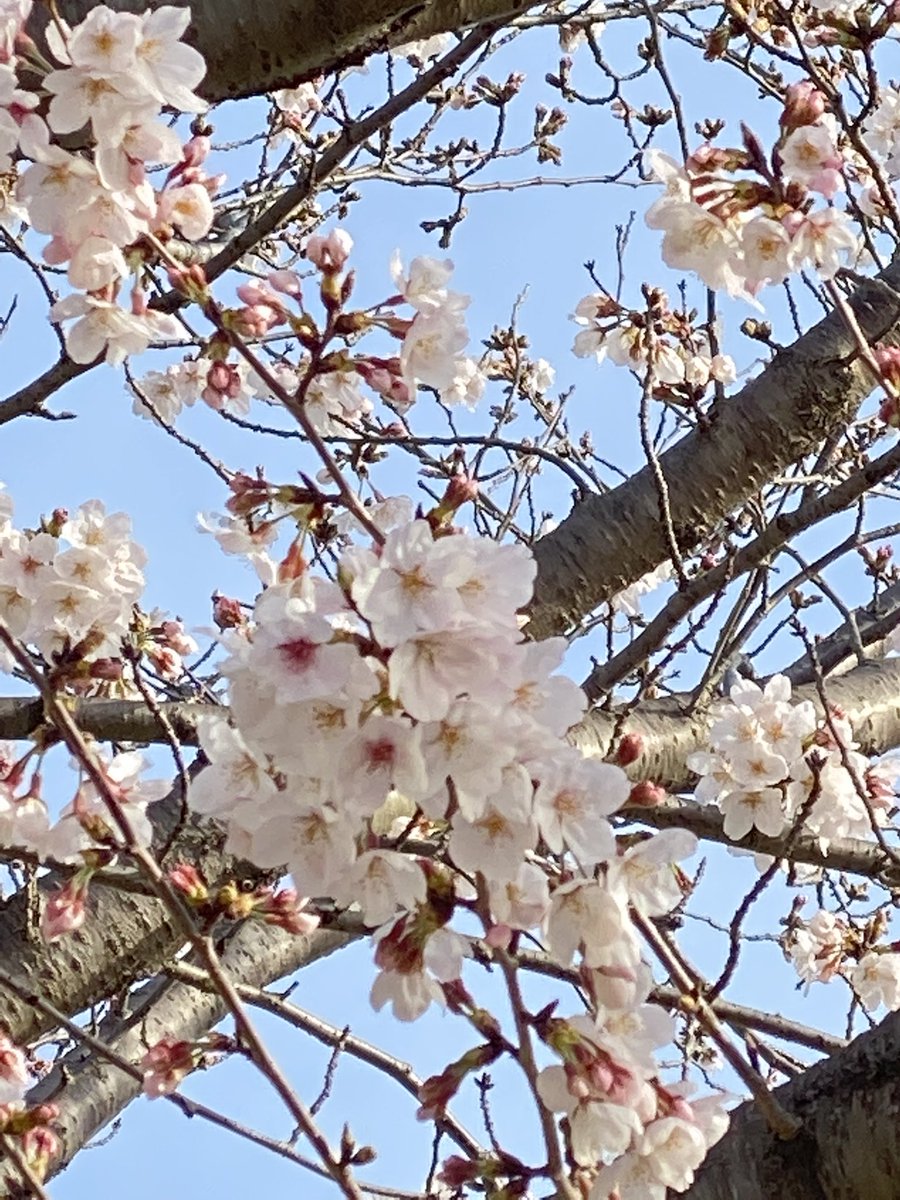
(847,1148)
(285,42)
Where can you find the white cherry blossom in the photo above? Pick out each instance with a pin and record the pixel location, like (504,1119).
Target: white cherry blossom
(382,882)
(876,980)
(572,798)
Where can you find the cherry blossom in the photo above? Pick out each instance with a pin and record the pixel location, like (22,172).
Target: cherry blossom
(15,1077)
(102,327)
(816,948)
(570,803)
(382,882)
(876,980)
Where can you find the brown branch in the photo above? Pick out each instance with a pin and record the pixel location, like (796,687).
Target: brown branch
(101,1076)
(776,535)
(330,1035)
(608,541)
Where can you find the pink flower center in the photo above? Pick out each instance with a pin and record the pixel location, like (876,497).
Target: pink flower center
(298,654)
(380,754)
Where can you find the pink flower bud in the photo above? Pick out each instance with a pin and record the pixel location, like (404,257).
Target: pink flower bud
(647,795)
(254,293)
(227,613)
(499,936)
(14,1071)
(173,634)
(329,253)
(165,1065)
(196,151)
(40,1145)
(888,359)
(460,490)
(889,412)
(385,378)
(458,1171)
(187,880)
(287,282)
(293,565)
(64,911)
(107,668)
(222,383)
(165,661)
(43,1114)
(804,105)
(629,749)
(286,910)
(255,320)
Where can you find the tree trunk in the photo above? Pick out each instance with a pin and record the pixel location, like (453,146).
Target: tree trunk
(255,48)
(848,1147)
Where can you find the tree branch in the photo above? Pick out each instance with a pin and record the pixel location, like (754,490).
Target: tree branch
(91,1089)
(609,541)
(271,44)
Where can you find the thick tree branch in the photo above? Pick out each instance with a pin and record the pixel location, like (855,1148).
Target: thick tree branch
(836,653)
(255,48)
(847,1148)
(608,541)
(90,1089)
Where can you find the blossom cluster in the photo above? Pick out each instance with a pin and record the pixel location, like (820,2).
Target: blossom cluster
(431,352)
(854,23)
(84,826)
(70,588)
(739,234)
(666,343)
(115,73)
(827,946)
(69,592)
(399,701)
(29,1127)
(772,761)
(881,133)
(295,107)
(169,1060)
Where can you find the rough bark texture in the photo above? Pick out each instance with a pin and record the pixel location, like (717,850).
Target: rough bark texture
(847,1150)
(610,540)
(90,1091)
(284,42)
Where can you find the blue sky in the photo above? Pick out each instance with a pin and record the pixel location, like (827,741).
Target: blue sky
(535,239)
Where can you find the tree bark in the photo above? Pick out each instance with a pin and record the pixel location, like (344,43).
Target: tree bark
(91,1090)
(285,42)
(847,1148)
(610,540)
